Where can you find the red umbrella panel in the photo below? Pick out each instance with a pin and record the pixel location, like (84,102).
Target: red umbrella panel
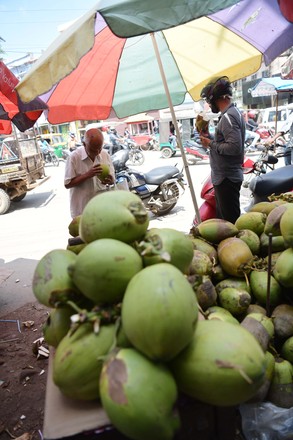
(12,109)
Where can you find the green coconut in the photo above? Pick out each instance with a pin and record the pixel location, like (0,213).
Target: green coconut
(281,390)
(264,207)
(259,288)
(234,256)
(282,316)
(287,350)
(286,225)
(220,314)
(283,272)
(236,301)
(52,285)
(262,392)
(224,365)
(237,283)
(261,327)
(200,264)
(103,269)
(255,221)
(166,245)
(73,227)
(272,225)
(138,396)
(202,245)
(78,361)
(218,274)
(57,325)
(255,308)
(159,311)
(120,215)
(215,230)
(277,244)
(251,239)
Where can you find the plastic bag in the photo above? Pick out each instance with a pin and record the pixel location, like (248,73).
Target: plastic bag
(265,421)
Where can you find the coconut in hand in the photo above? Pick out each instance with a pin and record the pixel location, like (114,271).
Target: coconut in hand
(104,173)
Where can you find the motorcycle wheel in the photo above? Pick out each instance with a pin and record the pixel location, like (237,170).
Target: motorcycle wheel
(191,160)
(136,157)
(55,160)
(172,193)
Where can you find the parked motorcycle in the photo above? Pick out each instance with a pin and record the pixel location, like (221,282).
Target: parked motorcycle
(194,151)
(262,185)
(65,154)
(159,188)
(266,137)
(50,157)
(135,156)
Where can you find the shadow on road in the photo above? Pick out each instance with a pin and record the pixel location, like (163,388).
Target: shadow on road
(33,200)
(16,284)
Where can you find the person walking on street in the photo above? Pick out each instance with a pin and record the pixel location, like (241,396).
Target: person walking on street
(226,149)
(82,168)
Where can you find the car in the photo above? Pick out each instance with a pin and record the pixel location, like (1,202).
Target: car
(267,117)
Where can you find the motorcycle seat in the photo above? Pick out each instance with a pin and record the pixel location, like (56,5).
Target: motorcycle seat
(276,181)
(158,175)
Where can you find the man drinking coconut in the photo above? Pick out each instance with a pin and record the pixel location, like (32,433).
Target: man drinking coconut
(88,171)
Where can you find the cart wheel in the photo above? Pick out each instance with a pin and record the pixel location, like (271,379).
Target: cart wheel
(4,201)
(166,152)
(19,198)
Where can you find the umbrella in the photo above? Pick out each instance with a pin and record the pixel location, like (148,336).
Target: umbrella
(12,109)
(117,72)
(272,87)
(124,65)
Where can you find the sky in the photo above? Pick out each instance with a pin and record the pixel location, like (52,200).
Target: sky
(30,26)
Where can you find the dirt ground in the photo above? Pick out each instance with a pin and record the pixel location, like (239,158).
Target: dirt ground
(23,373)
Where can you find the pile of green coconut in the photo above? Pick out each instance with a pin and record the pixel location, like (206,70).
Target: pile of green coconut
(140,316)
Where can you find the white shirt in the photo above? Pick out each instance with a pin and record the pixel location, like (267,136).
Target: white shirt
(79,163)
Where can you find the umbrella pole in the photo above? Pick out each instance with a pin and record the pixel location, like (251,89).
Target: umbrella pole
(189,180)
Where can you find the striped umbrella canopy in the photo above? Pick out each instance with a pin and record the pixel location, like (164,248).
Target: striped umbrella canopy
(105,64)
(12,109)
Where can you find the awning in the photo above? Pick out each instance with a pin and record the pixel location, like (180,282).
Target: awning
(271,87)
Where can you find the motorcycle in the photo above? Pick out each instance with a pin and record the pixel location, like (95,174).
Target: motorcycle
(194,151)
(266,137)
(65,154)
(135,156)
(261,185)
(159,188)
(50,157)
